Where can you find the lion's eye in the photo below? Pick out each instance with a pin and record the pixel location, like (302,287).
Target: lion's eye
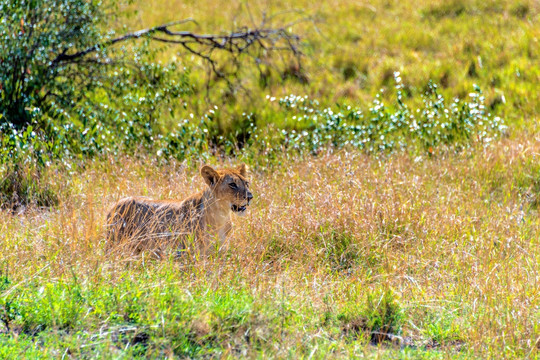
(233,186)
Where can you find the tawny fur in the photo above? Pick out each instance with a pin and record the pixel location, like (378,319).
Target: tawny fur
(138,223)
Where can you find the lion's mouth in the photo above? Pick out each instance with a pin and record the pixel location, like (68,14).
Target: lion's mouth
(239,209)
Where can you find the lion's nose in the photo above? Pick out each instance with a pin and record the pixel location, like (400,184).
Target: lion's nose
(249,196)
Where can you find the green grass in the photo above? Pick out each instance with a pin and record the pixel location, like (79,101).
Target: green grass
(159,312)
(354,48)
(153,313)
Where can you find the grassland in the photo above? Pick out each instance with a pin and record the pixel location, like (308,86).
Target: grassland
(442,251)
(454,241)
(352,49)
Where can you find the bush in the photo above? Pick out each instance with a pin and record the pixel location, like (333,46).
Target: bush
(82,105)
(32,37)
(386,129)
(55,106)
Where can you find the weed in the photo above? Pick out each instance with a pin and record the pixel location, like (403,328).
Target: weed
(381,318)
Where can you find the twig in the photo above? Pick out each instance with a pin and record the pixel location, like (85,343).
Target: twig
(227,42)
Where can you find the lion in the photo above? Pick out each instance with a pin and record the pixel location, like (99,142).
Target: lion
(139,223)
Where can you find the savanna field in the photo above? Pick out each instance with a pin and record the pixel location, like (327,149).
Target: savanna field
(389,220)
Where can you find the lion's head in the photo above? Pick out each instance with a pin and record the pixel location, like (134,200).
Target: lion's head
(229,185)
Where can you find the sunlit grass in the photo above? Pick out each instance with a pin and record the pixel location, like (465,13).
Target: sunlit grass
(353,48)
(420,255)
(454,239)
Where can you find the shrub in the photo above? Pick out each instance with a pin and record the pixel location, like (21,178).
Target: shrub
(32,37)
(81,105)
(389,128)
(55,108)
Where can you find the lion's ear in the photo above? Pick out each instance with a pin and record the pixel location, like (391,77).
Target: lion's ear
(209,175)
(242,169)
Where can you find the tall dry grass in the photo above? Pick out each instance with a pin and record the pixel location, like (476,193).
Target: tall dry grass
(456,239)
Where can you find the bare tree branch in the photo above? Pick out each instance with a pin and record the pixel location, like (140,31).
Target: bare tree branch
(236,42)
(256,43)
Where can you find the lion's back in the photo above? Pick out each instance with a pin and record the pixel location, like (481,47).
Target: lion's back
(142,222)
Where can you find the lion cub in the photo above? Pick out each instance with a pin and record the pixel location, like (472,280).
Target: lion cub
(141,223)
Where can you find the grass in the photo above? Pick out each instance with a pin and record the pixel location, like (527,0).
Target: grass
(353,48)
(342,254)
(441,252)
